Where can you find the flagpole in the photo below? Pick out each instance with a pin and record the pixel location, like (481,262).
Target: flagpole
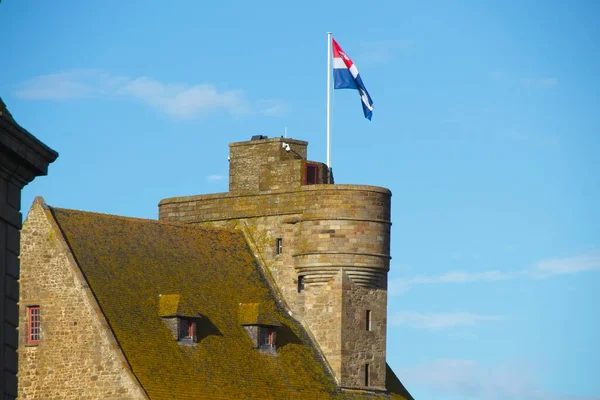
(328,106)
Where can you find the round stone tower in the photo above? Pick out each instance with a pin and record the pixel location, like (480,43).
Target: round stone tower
(344,226)
(341,255)
(326,246)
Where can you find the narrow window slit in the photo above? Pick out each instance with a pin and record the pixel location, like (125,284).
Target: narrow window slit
(300,283)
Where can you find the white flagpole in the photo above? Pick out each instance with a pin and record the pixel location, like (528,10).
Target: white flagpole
(328,105)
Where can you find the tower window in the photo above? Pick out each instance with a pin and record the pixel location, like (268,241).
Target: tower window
(279,246)
(367,380)
(33,325)
(300,283)
(311,174)
(368,320)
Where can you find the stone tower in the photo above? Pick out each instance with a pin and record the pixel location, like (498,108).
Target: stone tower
(325,246)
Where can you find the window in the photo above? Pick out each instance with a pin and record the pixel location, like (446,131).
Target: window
(278,246)
(367,375)
(300,283)
(311,174)
(368,320)
(191,326)
(267,337)
(271,337)
(187,330)
(33,324)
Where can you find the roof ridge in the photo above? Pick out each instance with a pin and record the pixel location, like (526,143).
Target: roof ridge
(144,220)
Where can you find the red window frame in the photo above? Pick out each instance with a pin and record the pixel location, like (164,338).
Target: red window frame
(33,325)
(267,336)
(312,172)
(271,337)
(190,329)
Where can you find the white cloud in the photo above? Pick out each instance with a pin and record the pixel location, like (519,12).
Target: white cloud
(399,286)
(70,85)
(542,269)
(541,82)
(214,178)
(273,107)
(567,265)
(177,100)
(502,76)
(185,100)
(439,321)
(382,51)
(551,141)
(472,380)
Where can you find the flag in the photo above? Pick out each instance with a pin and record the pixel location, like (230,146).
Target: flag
(346,76)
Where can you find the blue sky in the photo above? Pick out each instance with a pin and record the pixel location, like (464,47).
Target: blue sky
(486,129)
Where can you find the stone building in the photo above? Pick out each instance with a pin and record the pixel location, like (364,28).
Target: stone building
(276,289)
(22,158)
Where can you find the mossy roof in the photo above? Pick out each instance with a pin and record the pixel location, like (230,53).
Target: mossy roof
(255,314)
(171,305)
(129,262)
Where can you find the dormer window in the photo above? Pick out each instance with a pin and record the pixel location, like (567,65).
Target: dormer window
(261,326)
(180,318)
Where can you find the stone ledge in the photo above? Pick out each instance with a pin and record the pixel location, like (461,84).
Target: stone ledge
(304,188)
(353,253)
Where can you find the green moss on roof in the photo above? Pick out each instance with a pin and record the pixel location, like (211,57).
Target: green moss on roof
(167,305)
(128,262)
(257,314)
(170,305)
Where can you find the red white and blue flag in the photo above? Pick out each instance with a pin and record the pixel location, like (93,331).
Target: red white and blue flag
(345,76)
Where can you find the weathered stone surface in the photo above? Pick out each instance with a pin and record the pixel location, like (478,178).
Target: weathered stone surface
(85,361)
(337,237)
(22,158)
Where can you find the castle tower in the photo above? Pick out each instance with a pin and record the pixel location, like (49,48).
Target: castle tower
(326,246)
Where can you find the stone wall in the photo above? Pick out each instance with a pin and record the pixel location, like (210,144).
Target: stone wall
(22,158)
(247,161)
(323,314)
(338,238)
(77,356)
(362,346)
(266,164)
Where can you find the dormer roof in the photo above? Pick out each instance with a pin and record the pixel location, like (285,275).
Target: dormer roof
(257,314)
(176,305)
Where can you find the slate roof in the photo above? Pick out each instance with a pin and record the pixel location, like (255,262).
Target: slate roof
(130,262)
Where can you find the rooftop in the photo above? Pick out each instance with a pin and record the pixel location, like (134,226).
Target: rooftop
(130,264)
